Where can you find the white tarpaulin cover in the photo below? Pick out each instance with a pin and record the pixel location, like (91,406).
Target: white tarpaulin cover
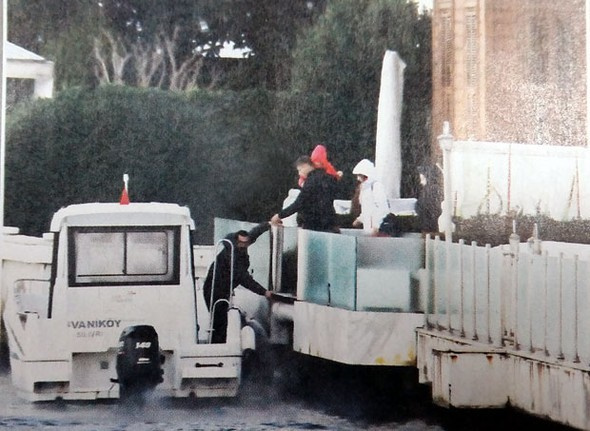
(388,158)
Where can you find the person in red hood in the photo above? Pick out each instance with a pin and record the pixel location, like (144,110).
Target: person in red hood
(319,158)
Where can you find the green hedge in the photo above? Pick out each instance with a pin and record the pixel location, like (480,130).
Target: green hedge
(217,153)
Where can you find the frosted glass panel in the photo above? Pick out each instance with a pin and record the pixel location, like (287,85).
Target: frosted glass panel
(327,269)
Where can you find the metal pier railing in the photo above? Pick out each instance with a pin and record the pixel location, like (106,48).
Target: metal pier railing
(510,298)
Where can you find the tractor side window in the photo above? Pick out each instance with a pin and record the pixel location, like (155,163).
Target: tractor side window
(123,256)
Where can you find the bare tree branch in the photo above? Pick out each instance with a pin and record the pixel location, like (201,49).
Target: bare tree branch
(148,59)
(119,56)
(159,60)
(101,70)
(183,77)
(216,75)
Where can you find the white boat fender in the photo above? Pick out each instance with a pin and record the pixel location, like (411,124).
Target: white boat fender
(260,334)
(248,338)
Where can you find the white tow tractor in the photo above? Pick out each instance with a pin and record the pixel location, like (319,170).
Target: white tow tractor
(119,311)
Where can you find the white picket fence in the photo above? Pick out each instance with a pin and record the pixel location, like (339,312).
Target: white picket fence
(517,299)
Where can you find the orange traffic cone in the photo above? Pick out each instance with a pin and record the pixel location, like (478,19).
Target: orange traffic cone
(124,195)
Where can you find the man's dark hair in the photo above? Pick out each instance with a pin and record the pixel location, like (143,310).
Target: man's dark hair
(244,233)
(303,160)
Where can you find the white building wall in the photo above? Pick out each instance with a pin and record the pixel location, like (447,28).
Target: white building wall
(496,177)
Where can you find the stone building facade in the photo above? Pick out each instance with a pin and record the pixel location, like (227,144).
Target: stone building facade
(510,71)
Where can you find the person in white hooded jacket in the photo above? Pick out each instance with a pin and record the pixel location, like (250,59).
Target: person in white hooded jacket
(372,198)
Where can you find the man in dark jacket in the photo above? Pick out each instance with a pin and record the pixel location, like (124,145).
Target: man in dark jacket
(315,202)
(222,268)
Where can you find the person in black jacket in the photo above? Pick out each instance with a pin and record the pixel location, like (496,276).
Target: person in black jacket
(222,267)
(315,202)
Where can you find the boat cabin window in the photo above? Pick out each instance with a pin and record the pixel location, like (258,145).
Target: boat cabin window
(124,255)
